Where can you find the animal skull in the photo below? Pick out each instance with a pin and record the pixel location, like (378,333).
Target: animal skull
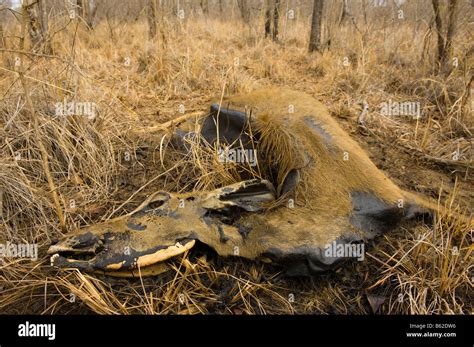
(143,238)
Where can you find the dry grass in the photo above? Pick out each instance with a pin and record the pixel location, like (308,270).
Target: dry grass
(430,269)
(98,165)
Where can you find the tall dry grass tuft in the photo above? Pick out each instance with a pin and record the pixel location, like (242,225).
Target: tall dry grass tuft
(429,268)
(83,158)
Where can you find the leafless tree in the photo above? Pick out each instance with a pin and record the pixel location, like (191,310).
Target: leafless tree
(268,19)
(445,37)
(439,28)
(151,17)
(37,25)
(344,14)
(80,7)
(451,22)
(272,18)
(2,44)
(244,10)
(205,7)
(87,10)
(90,9)
(315,36)
(44,26)
(276,19)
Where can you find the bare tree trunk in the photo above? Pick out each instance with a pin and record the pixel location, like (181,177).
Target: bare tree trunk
(205,7)
(315,36)
(344,13)
(244,10)
(2,44)
(92,10)
(445,45)
(268,20)
(80,7)
(448,45)
(87,10)
(43,20)
(276,19)
(43,15)
(286,18)
(439,29)
(34,25)
(364,12)
(151,16)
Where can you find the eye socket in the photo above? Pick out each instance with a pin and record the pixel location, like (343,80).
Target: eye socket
(227,215)
(155,204)
(158,199)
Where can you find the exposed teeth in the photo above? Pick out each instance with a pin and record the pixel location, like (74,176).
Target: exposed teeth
(179,245)
(57,249)
(53,258)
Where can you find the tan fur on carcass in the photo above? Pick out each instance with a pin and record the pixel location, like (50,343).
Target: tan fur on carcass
(322,199)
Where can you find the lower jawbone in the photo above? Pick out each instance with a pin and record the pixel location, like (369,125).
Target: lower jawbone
(100,250)
(129,263)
